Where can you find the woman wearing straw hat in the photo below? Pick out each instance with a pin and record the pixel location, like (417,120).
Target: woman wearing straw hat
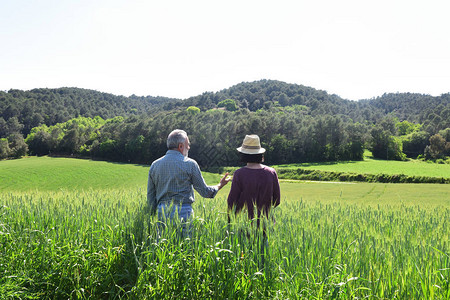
(254,184)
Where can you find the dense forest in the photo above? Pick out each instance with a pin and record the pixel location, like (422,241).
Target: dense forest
(296,124)
(51,106)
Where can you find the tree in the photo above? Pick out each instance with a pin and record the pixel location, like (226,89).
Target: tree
(134,149)
(40,143)
(437,148)
(356,141)
(336,138)
(30,121)
(406,127)
(108,148)
(279,150)
(386,146)
(11,111)
(229,104)
(445,133)
(414,143)
(193,110)
(17,145)
(299,99)
(3,128)
(4,148)
(283,99)
(244,103)
(56,135)
(71,141)
(13,126)
(388,124)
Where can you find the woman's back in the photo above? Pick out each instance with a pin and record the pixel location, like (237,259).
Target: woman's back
(252,187)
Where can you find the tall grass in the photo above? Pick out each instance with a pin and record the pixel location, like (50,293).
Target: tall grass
(64,244)
(104,244)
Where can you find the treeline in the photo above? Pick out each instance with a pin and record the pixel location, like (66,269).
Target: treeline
(432,112)
(215,135)
(288,135)
(296,124)
(29,109)
(33,108)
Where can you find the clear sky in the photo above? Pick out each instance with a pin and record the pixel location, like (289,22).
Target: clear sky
(356,49)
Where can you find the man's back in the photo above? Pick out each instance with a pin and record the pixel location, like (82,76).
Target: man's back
(171,175)
(172,179)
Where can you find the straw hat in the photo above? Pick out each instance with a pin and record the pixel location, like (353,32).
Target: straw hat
(251,145)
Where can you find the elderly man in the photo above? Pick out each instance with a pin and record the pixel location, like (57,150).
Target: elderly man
(173,178)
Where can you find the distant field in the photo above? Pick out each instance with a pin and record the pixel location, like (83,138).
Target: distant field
(47,173)
(67,174)
(368,194)
(373,166)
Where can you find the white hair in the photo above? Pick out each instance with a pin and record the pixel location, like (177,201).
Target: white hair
(175,138)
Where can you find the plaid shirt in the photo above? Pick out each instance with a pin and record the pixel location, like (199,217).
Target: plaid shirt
(173,177)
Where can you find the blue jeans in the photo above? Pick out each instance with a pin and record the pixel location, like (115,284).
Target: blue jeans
(168,211)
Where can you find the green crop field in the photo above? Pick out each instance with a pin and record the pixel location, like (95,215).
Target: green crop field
(79,229)
(47,173)
(374,166)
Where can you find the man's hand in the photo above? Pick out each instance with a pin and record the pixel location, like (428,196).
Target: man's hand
(223,181)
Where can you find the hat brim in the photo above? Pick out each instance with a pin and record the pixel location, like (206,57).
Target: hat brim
(251,151)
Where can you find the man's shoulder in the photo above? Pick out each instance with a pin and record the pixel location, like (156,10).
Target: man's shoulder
(157,161)
(190,160)
(174,157)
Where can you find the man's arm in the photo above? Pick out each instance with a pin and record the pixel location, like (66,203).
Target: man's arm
(151,194)
(223,181)
(199,184)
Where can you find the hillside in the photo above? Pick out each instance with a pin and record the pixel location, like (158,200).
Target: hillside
(50,106)
(295,123)
(265,94)
(417,108)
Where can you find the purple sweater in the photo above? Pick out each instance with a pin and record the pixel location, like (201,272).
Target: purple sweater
(254,186)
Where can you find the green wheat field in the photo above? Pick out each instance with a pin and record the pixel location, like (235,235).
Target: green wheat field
(80,229)
(374,166)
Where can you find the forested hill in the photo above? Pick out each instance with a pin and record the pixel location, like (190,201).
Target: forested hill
(51,106)
(20,111)
(416,108)
(264,94)
(296,124)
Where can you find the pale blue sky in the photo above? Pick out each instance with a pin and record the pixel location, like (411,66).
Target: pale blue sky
(356,49)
